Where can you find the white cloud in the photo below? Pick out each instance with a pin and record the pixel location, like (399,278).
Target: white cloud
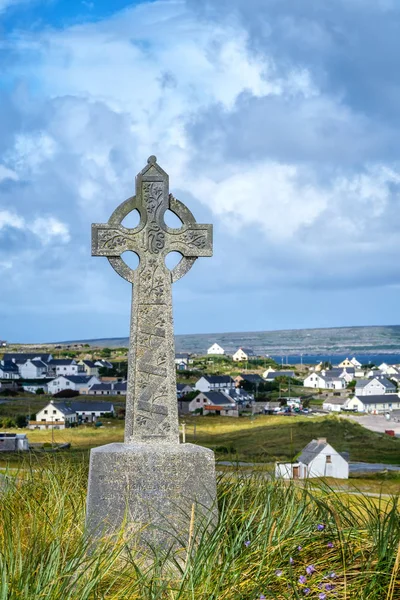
(10,219)
(6,173)
(50,229)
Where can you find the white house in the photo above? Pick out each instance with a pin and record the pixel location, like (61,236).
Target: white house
(374,387)
(64,366)
(334,404)
(317,380)
(267,371)
(388,369)
(243,354)
(112,388)
(88,367)
(216,403)
(346,363)
(209,383)
(88,412)
(318,459)
(215,349)
(71,382)
(381,403)
(33,369)
(55,414)
(356,364)
(8,370)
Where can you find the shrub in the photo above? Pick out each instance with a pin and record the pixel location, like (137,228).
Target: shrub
(66,394)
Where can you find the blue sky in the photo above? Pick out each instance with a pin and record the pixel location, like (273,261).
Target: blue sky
(278,122)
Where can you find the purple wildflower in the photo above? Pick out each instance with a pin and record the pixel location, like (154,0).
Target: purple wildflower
(299,548)
(291,561)
(320,527)
(302,579)
(332,575)
(306,591)
(247,543)
(330,544)
(310,570)
(278,572)
(329,587)
(322,596)
(262,597)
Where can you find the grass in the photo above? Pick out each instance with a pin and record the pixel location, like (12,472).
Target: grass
(262,525)
(264,439)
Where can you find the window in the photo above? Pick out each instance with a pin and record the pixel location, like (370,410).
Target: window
(197,399)
(45,412)
(328,459)
(54,412)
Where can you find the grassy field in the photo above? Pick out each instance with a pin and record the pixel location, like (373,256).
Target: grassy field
(264,439)
(274,541)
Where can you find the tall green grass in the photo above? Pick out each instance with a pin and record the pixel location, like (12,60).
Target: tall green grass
(266,538)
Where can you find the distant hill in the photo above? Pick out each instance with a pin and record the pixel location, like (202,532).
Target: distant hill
(339,340)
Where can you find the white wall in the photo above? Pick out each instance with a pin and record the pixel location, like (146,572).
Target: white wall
(332,407)
(338,467)
(373,388)
(67,369)
(215,349)
(29,371)
(202,385)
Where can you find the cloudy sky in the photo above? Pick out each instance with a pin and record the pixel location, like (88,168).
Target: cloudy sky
(277,120)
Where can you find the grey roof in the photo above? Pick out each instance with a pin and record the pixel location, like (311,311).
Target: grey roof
(89,363)
(252,377)
(20,358)
(311,451)
(338,372)
(182,355)
(78,378)
(248,351)
(218,398)
(98,387)
(362,383)
(8,366)
(39,364)
(379,399)
(181,386)
(92,406)
(66,410)
(218,378)
(121,386)
(274,374)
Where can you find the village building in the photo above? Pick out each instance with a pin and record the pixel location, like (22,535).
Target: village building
(268,370)
(182,389)
(13,442)
(253,378)
(21,357)
(388,369)
(272,375)
(8,370)
(346,363)
(88,367)
(105,364)
(112,388)
(215,349)
(78,383)
(33,369)
(380,403)
(63,366)
(55,415)
(208,383)
(318,459)
(243,354)
(334,404)
(319,381)
(88,412)
(374,387)
(348,373)
(214,403)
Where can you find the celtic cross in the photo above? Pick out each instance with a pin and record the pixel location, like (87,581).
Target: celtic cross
(151,402)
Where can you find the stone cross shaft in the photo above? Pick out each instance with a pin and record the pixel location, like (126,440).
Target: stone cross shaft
(151,402)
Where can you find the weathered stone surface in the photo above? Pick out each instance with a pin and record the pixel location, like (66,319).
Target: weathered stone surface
(151,406)
(151,479)
(154,487)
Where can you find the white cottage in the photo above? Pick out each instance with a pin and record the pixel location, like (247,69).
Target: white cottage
(64,366)
(215,349)
(33,369)
(55,415)
(216,403)
(381,403)
(318,459)
(374,387)
(209,383)
(323,382)
(77,383)
(243,354)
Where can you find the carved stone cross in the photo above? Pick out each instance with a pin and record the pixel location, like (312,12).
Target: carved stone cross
(151,402)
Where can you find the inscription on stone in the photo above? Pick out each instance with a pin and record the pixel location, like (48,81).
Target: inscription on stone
(151,404)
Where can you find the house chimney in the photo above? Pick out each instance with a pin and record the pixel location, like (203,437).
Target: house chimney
(322,441)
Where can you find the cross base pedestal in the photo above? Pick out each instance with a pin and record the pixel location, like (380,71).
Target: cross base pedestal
(151,489)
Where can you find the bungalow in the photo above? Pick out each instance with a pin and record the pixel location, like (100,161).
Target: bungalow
(318,459)
(54,415)
(182,358)
(243,354)
(33,369)
(374,387)
(269,370)
(117,388)
(380,403)
(208,383)
(214,403)
(63,366)
(87,412)
(334,404)
(215,349)
(71,382)
(388,369)
(8,370)
(348,373)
